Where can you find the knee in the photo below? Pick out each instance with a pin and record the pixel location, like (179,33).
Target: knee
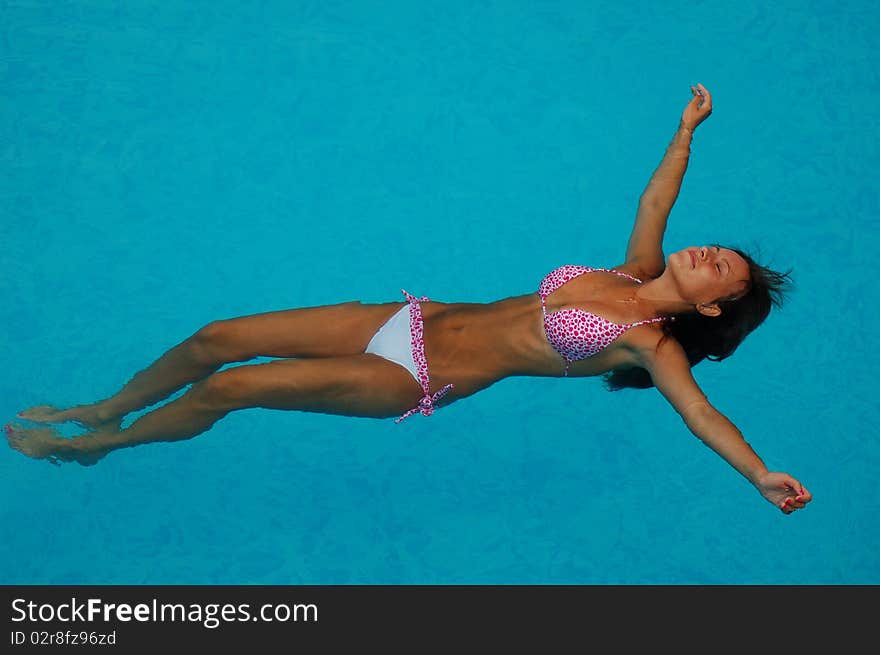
(214,343)
(226,390)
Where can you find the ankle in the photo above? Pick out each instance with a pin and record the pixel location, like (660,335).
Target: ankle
(88,444)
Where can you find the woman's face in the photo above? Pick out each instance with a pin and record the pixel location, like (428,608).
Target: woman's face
(703,274)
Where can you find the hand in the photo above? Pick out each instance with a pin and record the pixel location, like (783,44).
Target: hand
(784,491)
(698,109)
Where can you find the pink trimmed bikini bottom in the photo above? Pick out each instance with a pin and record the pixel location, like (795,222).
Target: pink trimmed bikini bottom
(401,340)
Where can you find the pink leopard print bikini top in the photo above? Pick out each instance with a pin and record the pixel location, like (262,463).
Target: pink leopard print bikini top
(575,333)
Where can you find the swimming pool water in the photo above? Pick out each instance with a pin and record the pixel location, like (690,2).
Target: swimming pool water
(166,165)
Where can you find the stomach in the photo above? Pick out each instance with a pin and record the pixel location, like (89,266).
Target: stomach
(474,345)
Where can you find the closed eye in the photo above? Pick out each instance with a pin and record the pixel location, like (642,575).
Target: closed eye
(718,266)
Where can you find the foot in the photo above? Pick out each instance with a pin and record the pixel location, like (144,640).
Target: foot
(86,416)
(45,443)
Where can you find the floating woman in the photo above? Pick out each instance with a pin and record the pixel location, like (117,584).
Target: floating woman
(642,324)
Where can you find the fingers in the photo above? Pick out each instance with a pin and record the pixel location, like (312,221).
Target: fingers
(799,491)
(702,97)
(791,504)
(704,92)
(798,497)
(803,494)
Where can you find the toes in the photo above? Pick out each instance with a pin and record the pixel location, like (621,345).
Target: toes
(13,438)
(43,414)
(37,411)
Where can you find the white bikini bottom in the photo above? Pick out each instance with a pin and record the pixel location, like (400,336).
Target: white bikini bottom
(393,341)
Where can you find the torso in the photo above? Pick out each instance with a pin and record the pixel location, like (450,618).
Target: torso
(473,345)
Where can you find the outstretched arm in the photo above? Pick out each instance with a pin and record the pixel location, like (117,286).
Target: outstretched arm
(716,431)
(645,246)
(671,373)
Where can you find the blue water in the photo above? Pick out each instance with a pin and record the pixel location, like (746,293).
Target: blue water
(169,164)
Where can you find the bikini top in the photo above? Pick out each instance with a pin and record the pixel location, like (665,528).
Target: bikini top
(576,333)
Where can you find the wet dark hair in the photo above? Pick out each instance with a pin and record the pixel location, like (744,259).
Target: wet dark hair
(715,337)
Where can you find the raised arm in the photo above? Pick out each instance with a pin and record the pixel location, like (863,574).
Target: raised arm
(645,247)
(672,376)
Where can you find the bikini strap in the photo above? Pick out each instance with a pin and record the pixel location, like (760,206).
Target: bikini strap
(611,270)
(417,341)
(651,320)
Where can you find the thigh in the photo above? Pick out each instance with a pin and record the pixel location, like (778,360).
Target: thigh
(324,331)
(360,385)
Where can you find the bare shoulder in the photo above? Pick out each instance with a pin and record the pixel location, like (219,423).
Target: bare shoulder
(644,342)
(667,363)
(644,273)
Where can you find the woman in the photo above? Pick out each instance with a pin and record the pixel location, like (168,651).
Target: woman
(643,323)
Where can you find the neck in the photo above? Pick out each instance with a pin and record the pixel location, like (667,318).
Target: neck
(660,297)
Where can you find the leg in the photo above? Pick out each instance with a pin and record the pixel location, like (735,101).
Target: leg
(326,331)
(189,361)
(361,385)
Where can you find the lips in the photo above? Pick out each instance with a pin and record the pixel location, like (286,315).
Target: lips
(693,259)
